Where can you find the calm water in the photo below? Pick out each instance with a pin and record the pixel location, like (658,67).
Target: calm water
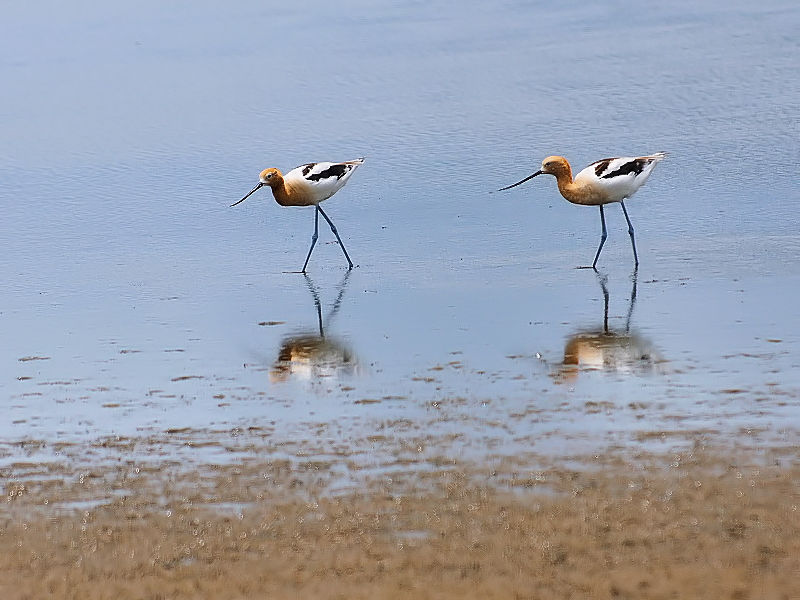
(135,301)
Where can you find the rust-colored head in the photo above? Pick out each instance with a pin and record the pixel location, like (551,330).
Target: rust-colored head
(553,165)
(270,177)
(556,165)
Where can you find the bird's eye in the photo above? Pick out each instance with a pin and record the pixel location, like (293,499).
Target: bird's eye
(269,175)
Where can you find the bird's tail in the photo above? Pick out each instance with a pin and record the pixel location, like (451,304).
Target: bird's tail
(658,156)
(358,161)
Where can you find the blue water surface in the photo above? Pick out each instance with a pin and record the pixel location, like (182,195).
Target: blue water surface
(136,301)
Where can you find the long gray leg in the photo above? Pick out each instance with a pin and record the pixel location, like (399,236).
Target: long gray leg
(630,232)
(336,233)
(338,302)
(603,279)
(634,278)
(313,238)
(315,295)
(603,237)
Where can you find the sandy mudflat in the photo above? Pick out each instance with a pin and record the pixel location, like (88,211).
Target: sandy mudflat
(696,524)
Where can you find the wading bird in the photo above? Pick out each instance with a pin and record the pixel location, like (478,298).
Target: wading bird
(602,182)
(308,185)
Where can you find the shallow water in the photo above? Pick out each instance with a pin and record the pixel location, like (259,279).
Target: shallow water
(137,302)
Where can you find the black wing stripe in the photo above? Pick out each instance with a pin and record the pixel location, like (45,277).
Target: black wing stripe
(633,167)
(601,165)
(337,171)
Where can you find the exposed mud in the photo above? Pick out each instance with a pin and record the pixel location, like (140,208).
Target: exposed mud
(696,524)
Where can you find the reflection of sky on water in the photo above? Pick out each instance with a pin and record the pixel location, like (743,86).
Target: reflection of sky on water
(138,294)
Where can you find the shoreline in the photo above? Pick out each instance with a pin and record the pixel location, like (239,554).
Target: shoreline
(706,522)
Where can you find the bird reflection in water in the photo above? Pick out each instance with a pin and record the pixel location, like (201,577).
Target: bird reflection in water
(613,350)
(313,355)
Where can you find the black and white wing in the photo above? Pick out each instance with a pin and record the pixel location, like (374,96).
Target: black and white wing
(620,177)
(323,179)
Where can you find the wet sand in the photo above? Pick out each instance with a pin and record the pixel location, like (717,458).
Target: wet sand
(700,523)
